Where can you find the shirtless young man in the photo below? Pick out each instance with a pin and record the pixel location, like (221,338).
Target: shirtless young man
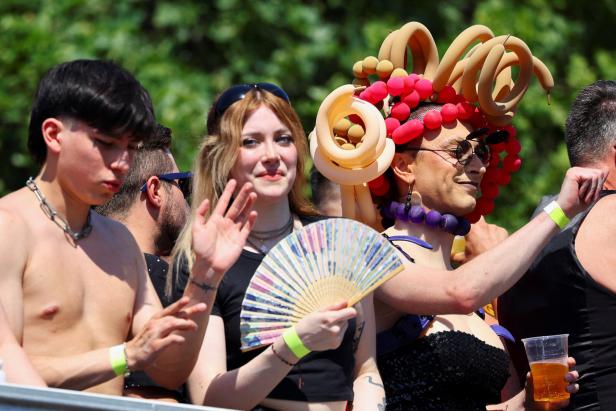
(75,286)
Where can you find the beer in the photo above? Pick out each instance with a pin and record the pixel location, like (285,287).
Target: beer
(549,381)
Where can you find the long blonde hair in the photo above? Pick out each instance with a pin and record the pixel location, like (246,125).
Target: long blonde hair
(218,153)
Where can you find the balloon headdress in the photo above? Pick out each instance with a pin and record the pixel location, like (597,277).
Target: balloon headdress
(359,125)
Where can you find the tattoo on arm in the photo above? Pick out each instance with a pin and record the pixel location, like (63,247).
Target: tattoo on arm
(381,405)
(205,287)
(374,382)
(357,337)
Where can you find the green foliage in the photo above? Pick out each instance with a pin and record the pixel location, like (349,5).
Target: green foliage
(186,51)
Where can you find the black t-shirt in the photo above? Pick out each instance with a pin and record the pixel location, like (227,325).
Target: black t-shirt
(558,296)
(325,376)
(157,270)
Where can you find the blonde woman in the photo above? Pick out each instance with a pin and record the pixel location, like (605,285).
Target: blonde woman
(254,136)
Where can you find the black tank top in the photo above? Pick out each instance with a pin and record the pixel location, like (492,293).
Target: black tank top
(558,296)
(448,370)
(319,376)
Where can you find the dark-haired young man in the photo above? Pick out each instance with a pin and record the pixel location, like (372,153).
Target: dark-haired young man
(74,284)
(571,287)
(152,204)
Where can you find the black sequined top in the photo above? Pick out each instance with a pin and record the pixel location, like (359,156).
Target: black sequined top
(448,370)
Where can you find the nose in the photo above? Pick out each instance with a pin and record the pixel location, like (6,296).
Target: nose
(270,152)
(122,161)
(476,165)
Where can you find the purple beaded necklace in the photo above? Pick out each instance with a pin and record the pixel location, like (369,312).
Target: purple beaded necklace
(433,219)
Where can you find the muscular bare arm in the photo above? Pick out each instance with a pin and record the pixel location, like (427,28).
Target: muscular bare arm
(595,242)
(369,393)
(426,291)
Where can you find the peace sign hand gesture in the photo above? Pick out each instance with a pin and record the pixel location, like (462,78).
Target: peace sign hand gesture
(218,240)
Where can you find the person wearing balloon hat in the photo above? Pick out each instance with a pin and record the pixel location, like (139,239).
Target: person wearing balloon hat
(433,167)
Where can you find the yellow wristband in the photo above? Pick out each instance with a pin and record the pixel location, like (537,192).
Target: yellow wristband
(294,343)
(117,357)
(557,214)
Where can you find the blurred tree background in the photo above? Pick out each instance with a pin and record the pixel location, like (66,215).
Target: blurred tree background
(186,51)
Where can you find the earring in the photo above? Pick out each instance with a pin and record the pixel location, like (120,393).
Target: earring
(407,202)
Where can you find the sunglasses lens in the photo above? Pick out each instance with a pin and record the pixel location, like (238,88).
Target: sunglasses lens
(275,90)
(464,152)
(185,186)
(483,152)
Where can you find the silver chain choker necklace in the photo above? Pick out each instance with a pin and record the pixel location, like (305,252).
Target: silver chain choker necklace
(57,218)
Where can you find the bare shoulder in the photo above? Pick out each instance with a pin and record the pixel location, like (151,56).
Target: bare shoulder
(14,222)
(595,243)
(113,230)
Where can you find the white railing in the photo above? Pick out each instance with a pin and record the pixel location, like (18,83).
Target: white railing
(20,398)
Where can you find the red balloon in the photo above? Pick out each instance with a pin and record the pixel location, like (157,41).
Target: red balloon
(407,132)
(465,110)
(391,124)
(494,160)
(511,130)
(447,95)
(400,111)
(512,163)
(513,146)
(504,178)
(379,186)
(424,88)
(395,86)
(409,85)
(433,120)
(449,113)
(355,119)
(412,99)
(379,90)
(492,175)
(489,190)
(473,216)
(485,206)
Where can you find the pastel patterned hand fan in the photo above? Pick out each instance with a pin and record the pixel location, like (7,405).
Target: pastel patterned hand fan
(322,264)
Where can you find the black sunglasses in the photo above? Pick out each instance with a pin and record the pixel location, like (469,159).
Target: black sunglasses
(464,150)
(182,180)
(238,92)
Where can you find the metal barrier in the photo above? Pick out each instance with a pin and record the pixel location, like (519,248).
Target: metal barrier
(20,398)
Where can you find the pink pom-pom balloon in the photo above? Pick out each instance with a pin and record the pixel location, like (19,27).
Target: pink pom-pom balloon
(412,99)
(449,113)
(433,120)
(395,86)
(391,124)
(407,132)
(424,88)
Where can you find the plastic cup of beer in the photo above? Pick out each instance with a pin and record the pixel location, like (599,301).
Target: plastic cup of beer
(547,357)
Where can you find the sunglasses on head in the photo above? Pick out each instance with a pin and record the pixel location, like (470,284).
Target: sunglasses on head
(181,180)
(238,92)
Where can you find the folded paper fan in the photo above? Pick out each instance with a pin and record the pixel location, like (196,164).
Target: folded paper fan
(322,264)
